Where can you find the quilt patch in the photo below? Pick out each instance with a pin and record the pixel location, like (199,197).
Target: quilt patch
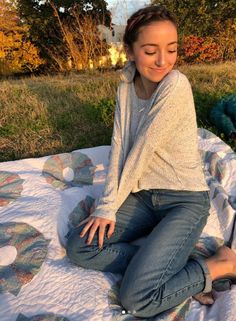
(11,186)
(69,170)
(43,317)
(31,247)
(82,211)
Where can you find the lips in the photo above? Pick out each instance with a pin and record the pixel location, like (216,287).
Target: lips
(159,69)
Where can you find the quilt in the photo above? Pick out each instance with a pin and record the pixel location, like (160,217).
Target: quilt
(40,198)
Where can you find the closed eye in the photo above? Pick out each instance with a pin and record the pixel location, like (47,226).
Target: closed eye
(153,53)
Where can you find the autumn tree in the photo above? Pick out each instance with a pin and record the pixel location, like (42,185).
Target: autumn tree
(202,18)
(17,53)
(66,31)
(206,18)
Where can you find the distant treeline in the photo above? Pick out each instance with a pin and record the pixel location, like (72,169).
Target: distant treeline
(62,35)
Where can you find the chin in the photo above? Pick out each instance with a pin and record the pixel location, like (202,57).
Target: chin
(159,76)
(156,79)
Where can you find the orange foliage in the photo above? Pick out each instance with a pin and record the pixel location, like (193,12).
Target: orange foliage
(227,39)
(17,53)
(196,49)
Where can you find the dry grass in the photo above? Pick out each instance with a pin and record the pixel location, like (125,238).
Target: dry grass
(53,114)
(210,83)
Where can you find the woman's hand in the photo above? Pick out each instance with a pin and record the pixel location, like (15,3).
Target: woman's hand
(94,223)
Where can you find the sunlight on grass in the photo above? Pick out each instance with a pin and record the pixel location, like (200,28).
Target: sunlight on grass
(53,114)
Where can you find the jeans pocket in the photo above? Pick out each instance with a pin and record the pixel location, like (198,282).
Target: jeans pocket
(206,195)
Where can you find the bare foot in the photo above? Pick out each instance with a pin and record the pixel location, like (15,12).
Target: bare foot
(204,298)
(222,264)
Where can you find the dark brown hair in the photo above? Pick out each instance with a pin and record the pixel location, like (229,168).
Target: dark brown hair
(144,17)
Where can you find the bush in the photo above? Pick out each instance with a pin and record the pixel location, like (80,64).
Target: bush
(199,50)
(105,109)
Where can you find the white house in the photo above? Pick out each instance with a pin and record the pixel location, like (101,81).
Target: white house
(114,37)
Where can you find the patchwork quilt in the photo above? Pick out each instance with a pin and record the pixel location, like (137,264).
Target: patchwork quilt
(41,198)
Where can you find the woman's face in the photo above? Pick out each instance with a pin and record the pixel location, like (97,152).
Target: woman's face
(155,50)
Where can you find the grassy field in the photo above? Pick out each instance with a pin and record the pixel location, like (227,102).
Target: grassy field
(54,114)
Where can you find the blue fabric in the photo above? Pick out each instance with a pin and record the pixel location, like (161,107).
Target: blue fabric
(223,115)
(159,274)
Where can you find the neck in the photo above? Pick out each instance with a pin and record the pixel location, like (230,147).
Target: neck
(144,88)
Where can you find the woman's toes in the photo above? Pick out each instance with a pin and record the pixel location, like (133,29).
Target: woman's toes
(204,298)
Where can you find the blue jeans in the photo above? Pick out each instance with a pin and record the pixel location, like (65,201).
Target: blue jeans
(160,273)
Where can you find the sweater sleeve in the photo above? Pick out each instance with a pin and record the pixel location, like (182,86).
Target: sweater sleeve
(107,207)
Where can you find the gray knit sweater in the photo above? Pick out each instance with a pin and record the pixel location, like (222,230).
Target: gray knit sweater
(164,154)
(138,108)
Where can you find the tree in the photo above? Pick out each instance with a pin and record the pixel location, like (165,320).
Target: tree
(17,53)
(215,19)
(55,27)
(196,49)
(8,16)
(201,18)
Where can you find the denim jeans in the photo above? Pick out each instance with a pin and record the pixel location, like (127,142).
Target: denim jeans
(160,273)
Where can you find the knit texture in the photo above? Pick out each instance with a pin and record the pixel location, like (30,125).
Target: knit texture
(164,154)
(139,106)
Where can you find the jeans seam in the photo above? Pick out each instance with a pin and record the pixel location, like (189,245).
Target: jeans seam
(97,250)
(173,255)
(143,201)
(208,281)
(195,284)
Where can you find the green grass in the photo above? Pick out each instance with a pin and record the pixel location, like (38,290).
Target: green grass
(53,114)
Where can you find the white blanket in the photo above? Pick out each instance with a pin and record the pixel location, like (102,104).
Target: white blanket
(39,197)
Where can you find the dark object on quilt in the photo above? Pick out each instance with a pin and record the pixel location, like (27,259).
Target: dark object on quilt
(223,116)
(226,283)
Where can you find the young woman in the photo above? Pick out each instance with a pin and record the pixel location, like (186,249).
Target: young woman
(155,186)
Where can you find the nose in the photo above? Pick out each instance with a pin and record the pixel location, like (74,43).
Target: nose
(160,59)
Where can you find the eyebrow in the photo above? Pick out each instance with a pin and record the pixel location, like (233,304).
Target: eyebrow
(155,45)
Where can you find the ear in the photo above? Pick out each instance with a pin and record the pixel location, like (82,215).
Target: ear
(129,53)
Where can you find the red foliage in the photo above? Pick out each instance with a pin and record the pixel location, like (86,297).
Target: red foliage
(196,49)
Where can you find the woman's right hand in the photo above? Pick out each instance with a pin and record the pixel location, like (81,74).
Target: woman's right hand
(97,222)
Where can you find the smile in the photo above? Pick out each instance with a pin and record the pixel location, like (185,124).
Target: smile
(158,69)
